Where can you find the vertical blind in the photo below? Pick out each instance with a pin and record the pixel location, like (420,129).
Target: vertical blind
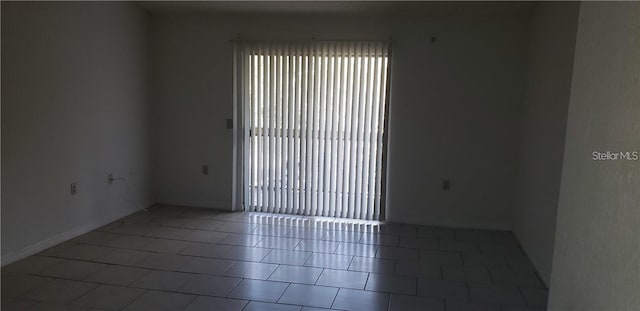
(314,120)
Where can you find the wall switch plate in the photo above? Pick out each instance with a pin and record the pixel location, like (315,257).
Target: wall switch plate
(74,188)
(446,184)
(205,170)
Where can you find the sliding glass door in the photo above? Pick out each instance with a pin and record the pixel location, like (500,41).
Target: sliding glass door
(314,124)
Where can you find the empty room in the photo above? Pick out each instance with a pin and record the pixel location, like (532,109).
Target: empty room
(320,155)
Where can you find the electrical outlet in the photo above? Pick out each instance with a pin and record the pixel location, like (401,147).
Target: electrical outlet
(110,178)
(446,185)
(74,188)
(205,170)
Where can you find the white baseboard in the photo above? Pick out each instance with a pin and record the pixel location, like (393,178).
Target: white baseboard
(457,224)
(219,205)
(59,238)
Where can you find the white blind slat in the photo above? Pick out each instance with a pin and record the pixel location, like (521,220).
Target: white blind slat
(290,128)
(372,137)
(308,155)
(353,182)
(279,133)
(348,117)
(316,87)
(322,133)
(246,71)
(335,106)
(260,72)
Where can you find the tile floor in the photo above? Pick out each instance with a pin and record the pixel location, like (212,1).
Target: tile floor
(175,258)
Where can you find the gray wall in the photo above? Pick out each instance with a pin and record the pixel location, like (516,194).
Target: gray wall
(74,109)
(546,101)
(455,107)
(596,264)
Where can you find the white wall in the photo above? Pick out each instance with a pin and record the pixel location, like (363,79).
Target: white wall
(546,101)
(74,109)
(454,109)
(596,263)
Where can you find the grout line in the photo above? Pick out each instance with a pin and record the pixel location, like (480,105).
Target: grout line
(272,272)
(284,291)
(234,288)
(335,297)
(319,276)
(144,292)
(216,229)
(21,296)
(367,281)
(524,298)
(349,265)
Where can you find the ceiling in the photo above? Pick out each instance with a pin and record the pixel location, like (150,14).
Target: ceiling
(391,8)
